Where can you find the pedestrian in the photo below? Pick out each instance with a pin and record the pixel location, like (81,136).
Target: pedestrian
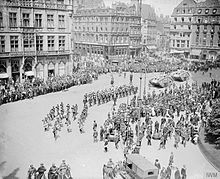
(183,172)
(157,164)
(106,145)
(168,172)
(32,172)
(161,142)
(95,136)
(171,160)
(53,172)
(40,172)
(94,125)
(148,138)
(101,133)
(177,174)
(163,173)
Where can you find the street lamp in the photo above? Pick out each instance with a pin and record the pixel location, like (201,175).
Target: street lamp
(144,82)
(140,84)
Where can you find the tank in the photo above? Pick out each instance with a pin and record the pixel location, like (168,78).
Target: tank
(161,81)
(180,75)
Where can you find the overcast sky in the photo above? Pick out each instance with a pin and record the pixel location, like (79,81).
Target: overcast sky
(161,6)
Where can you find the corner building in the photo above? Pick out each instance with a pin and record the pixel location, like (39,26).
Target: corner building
(107,34)
(181,27)
(205,40)
(35,38)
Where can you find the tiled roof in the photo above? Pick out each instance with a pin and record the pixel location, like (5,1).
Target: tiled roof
(209,3)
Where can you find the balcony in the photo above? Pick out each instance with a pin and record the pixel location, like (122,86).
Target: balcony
(55,52)
(38,5)
(27,29)
(4,54)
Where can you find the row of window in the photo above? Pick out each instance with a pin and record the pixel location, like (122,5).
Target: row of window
(100,38)
(182,34)
(205,28)
(175,27)
(100,51)
(28,42)
(184,11)
(181,43)
(214,11)
(183,19)
(203,40)
(106,19)
(102,29)
(41,1)
(207,19)
(38,20)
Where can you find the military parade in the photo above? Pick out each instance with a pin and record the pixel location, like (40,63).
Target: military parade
(104,89)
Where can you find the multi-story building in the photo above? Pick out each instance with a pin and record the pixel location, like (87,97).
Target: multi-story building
(163,33)
(181,27)
(35,38)
(149,28)
(89,3)
(205,39)
(111,34)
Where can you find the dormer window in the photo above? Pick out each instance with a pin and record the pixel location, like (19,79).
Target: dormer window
(199,11)
(207,11)
(214,11)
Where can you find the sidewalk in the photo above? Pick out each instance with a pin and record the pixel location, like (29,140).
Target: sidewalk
(209,151)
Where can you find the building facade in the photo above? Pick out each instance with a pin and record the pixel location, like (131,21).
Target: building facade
(35,38)
(163,33)
(181,27)
(109,34)
(205,39)
(149,28)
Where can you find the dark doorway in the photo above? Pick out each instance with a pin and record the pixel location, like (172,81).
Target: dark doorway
(51,73)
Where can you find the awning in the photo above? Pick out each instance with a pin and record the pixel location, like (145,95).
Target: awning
(196,52)
(3,75)
(29,73)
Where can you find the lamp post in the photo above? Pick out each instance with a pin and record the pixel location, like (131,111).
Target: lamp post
(145,82)
(139,111)
(140,84)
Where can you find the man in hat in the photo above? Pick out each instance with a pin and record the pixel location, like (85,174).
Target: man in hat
(106,145)
(94,125)
(53,172)
(157,164)
(101,133)
(110,164)
(95,136)
(183,172)
(32,172)
(41,171)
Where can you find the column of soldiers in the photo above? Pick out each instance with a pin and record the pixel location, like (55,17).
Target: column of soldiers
(57,117)
(61,172)
(107,95)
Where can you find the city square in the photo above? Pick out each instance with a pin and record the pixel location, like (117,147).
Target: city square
(109,92)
